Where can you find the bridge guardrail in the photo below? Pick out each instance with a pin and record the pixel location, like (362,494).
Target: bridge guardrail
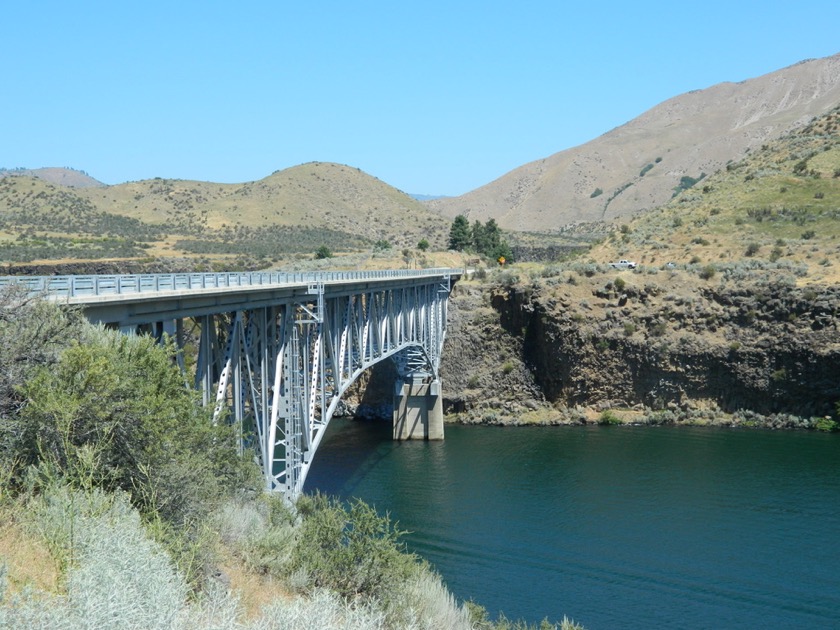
(128,284)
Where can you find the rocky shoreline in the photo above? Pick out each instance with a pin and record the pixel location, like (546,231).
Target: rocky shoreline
(629,417)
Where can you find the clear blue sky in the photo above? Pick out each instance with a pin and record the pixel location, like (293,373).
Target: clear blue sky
(434,97)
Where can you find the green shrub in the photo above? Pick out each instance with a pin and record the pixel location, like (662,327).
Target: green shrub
(708,272)
(752,249)
(686,182)
(608,417)
(354,551)
(827,424)
(658,329)
(123,397)
(508,279)
(113,413)
(33,333)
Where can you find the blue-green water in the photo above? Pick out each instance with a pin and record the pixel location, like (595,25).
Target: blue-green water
(616,527)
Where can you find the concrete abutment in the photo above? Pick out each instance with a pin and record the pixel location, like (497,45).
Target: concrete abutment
(418,410)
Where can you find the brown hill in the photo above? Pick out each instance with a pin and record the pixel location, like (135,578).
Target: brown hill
(316,195)
(291,212)
(638,166)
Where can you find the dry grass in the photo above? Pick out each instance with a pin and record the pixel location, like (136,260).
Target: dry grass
(253,590)
(27,559)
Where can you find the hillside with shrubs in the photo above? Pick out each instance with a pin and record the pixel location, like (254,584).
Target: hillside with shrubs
(281,218)
(778,208)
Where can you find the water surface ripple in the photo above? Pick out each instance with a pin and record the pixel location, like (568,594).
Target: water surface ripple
(630,527)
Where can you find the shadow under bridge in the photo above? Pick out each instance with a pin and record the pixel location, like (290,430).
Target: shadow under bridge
(276,352)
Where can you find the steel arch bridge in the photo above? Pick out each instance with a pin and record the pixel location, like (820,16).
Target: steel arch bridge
(275,352)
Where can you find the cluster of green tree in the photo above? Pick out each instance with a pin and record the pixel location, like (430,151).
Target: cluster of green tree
(686,182)
(485,239)
(109,456)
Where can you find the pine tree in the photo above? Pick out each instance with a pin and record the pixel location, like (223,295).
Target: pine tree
(459,233)
(492,237)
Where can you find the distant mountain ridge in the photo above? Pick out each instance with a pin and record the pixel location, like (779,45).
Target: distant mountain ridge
(63,176)
(426,197)
(639,165)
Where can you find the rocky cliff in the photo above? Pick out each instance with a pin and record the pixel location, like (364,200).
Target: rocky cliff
(655,345)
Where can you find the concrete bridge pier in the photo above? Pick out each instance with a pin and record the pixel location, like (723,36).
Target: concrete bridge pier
(418,409)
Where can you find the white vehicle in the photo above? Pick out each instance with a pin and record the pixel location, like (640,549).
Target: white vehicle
(623,264)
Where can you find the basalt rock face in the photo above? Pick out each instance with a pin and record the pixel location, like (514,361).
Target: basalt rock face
(765,347)
(481,367)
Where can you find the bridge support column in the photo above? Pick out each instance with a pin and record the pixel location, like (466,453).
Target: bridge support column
(418,410)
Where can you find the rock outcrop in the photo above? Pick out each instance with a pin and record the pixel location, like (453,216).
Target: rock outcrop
(669,341)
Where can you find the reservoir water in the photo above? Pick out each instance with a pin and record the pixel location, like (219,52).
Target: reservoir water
(615,527)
